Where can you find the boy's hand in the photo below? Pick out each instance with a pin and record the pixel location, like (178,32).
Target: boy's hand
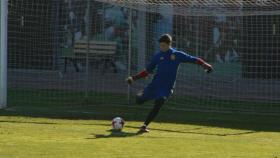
(129,80)
(208,68)
(138,76)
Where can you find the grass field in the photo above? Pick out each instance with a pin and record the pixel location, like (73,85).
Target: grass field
(37,130)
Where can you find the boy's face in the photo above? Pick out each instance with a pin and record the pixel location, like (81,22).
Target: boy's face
(164,47)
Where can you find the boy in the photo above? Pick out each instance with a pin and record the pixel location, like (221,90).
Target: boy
(167,62)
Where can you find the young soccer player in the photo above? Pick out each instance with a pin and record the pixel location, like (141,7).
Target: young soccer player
(167,61)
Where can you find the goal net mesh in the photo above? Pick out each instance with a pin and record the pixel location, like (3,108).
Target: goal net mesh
(79,52)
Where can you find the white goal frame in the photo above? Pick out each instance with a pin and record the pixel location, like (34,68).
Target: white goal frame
(3,54)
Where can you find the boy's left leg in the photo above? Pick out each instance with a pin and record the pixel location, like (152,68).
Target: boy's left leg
(153,113)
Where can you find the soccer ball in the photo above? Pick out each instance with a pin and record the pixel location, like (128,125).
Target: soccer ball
(117,123)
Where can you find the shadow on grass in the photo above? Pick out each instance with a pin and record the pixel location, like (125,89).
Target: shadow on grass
(57,104)
(115,134)
(250,122)
(190,131)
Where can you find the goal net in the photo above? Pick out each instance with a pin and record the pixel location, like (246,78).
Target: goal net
(81,51)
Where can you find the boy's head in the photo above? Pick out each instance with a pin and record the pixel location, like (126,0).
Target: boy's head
(165,42)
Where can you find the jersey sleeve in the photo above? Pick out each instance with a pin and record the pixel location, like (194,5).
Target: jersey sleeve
(152,65)
(184,58)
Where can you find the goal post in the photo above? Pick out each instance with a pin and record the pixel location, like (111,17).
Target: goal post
(3,54)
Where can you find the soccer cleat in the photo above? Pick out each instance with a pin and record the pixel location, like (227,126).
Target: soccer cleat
(143,129)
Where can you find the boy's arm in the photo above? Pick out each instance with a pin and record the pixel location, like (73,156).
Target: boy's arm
(138,76)
(188,58)
(145,73)
(207,67)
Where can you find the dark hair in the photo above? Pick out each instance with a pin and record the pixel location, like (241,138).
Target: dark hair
(166,38)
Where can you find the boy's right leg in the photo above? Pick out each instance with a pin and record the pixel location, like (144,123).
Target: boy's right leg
(140,99)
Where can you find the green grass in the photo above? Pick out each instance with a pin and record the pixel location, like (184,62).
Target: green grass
(36,130)
(56,124)
(41,137)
